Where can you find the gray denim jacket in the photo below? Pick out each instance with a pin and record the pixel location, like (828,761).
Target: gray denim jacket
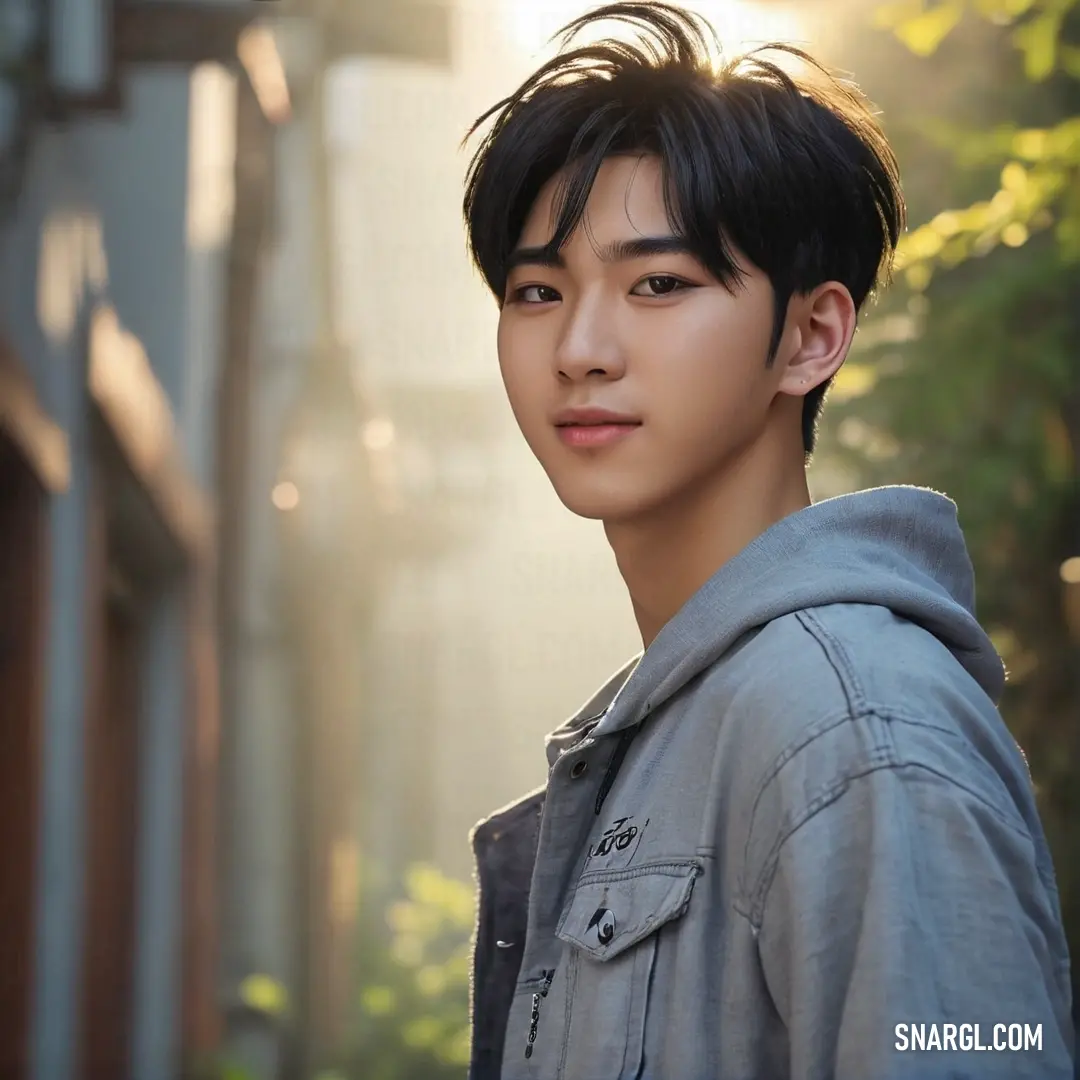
(793,839)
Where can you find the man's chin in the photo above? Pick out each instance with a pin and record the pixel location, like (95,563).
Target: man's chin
(606,506)
(588,512)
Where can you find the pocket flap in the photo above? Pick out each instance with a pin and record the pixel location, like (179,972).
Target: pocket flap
(610,910)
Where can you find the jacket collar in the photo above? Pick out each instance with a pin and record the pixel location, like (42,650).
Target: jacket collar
(590,715)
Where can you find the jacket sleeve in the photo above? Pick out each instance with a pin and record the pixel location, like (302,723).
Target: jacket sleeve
(906,912)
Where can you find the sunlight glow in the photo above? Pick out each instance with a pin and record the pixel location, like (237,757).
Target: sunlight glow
(285,496)
(740,24)
(379,434)
(211,156)
(71,259)
(258,52)
(123,383)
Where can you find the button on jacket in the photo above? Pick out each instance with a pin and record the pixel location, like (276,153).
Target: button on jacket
(793,839)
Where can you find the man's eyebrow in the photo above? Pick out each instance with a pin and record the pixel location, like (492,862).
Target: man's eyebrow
(534,256)
(643,246)
(617,251)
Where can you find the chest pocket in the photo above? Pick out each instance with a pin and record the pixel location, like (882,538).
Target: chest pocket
(612,922)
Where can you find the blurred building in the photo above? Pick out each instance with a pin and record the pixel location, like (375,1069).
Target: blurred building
(308,539)
(118,137)
(147,393)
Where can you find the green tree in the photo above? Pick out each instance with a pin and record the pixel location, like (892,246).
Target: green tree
(411,1020)
(968,378)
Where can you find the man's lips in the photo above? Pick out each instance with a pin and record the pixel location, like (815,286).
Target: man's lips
(592,416)
(593,435)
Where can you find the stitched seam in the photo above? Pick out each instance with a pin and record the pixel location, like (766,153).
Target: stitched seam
(768,871)
(648,996)
(571,985)
(838,657)
(857,706)
(649,928)
(739,909)
(793,748)
(668,868)
(831,795)
(890,716)
(594,877)
(634,990)
(894,712)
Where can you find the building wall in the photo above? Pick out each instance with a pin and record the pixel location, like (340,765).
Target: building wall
(105,218)
(260,910)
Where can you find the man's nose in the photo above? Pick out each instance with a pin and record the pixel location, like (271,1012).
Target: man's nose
(589,344)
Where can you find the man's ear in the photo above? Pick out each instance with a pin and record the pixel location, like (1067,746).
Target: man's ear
(823,322)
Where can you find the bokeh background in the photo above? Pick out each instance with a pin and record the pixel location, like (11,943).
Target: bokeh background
(285,605)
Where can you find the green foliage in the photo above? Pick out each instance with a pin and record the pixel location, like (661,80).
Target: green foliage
(920,28)
(968,381)
(1040,166)
(414,962)
(216,1067)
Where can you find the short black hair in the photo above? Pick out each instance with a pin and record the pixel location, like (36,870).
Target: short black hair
(795,172)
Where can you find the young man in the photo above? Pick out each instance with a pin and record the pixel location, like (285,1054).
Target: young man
(793,839)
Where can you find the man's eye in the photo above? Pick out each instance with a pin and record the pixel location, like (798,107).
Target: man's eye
(659,285)
(535,294)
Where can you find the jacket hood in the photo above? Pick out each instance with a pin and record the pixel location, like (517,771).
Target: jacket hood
(895,547)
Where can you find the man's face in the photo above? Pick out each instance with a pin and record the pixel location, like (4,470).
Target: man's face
(677,360)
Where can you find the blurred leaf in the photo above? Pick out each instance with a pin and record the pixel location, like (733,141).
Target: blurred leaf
(405,917)
(1014,178)
(412,1018)
(956,251)
(230,1071)
(923,32)
(264,994)
(923,243)
(852,381)
(894,13)
(919,276)
(1002,10)
(455,1050)
(431,980)
(377,1000)
(1031,144)
(1064,141)
(947,223)
(458,966)
(1015,234)
(408,950)
(1037,40)
(421,1033)
(1069,59)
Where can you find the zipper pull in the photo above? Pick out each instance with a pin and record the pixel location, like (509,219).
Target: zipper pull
(535,1017)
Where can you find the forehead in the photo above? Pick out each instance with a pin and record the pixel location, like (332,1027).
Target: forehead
(626,199)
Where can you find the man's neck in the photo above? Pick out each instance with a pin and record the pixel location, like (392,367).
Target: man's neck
(667,557)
